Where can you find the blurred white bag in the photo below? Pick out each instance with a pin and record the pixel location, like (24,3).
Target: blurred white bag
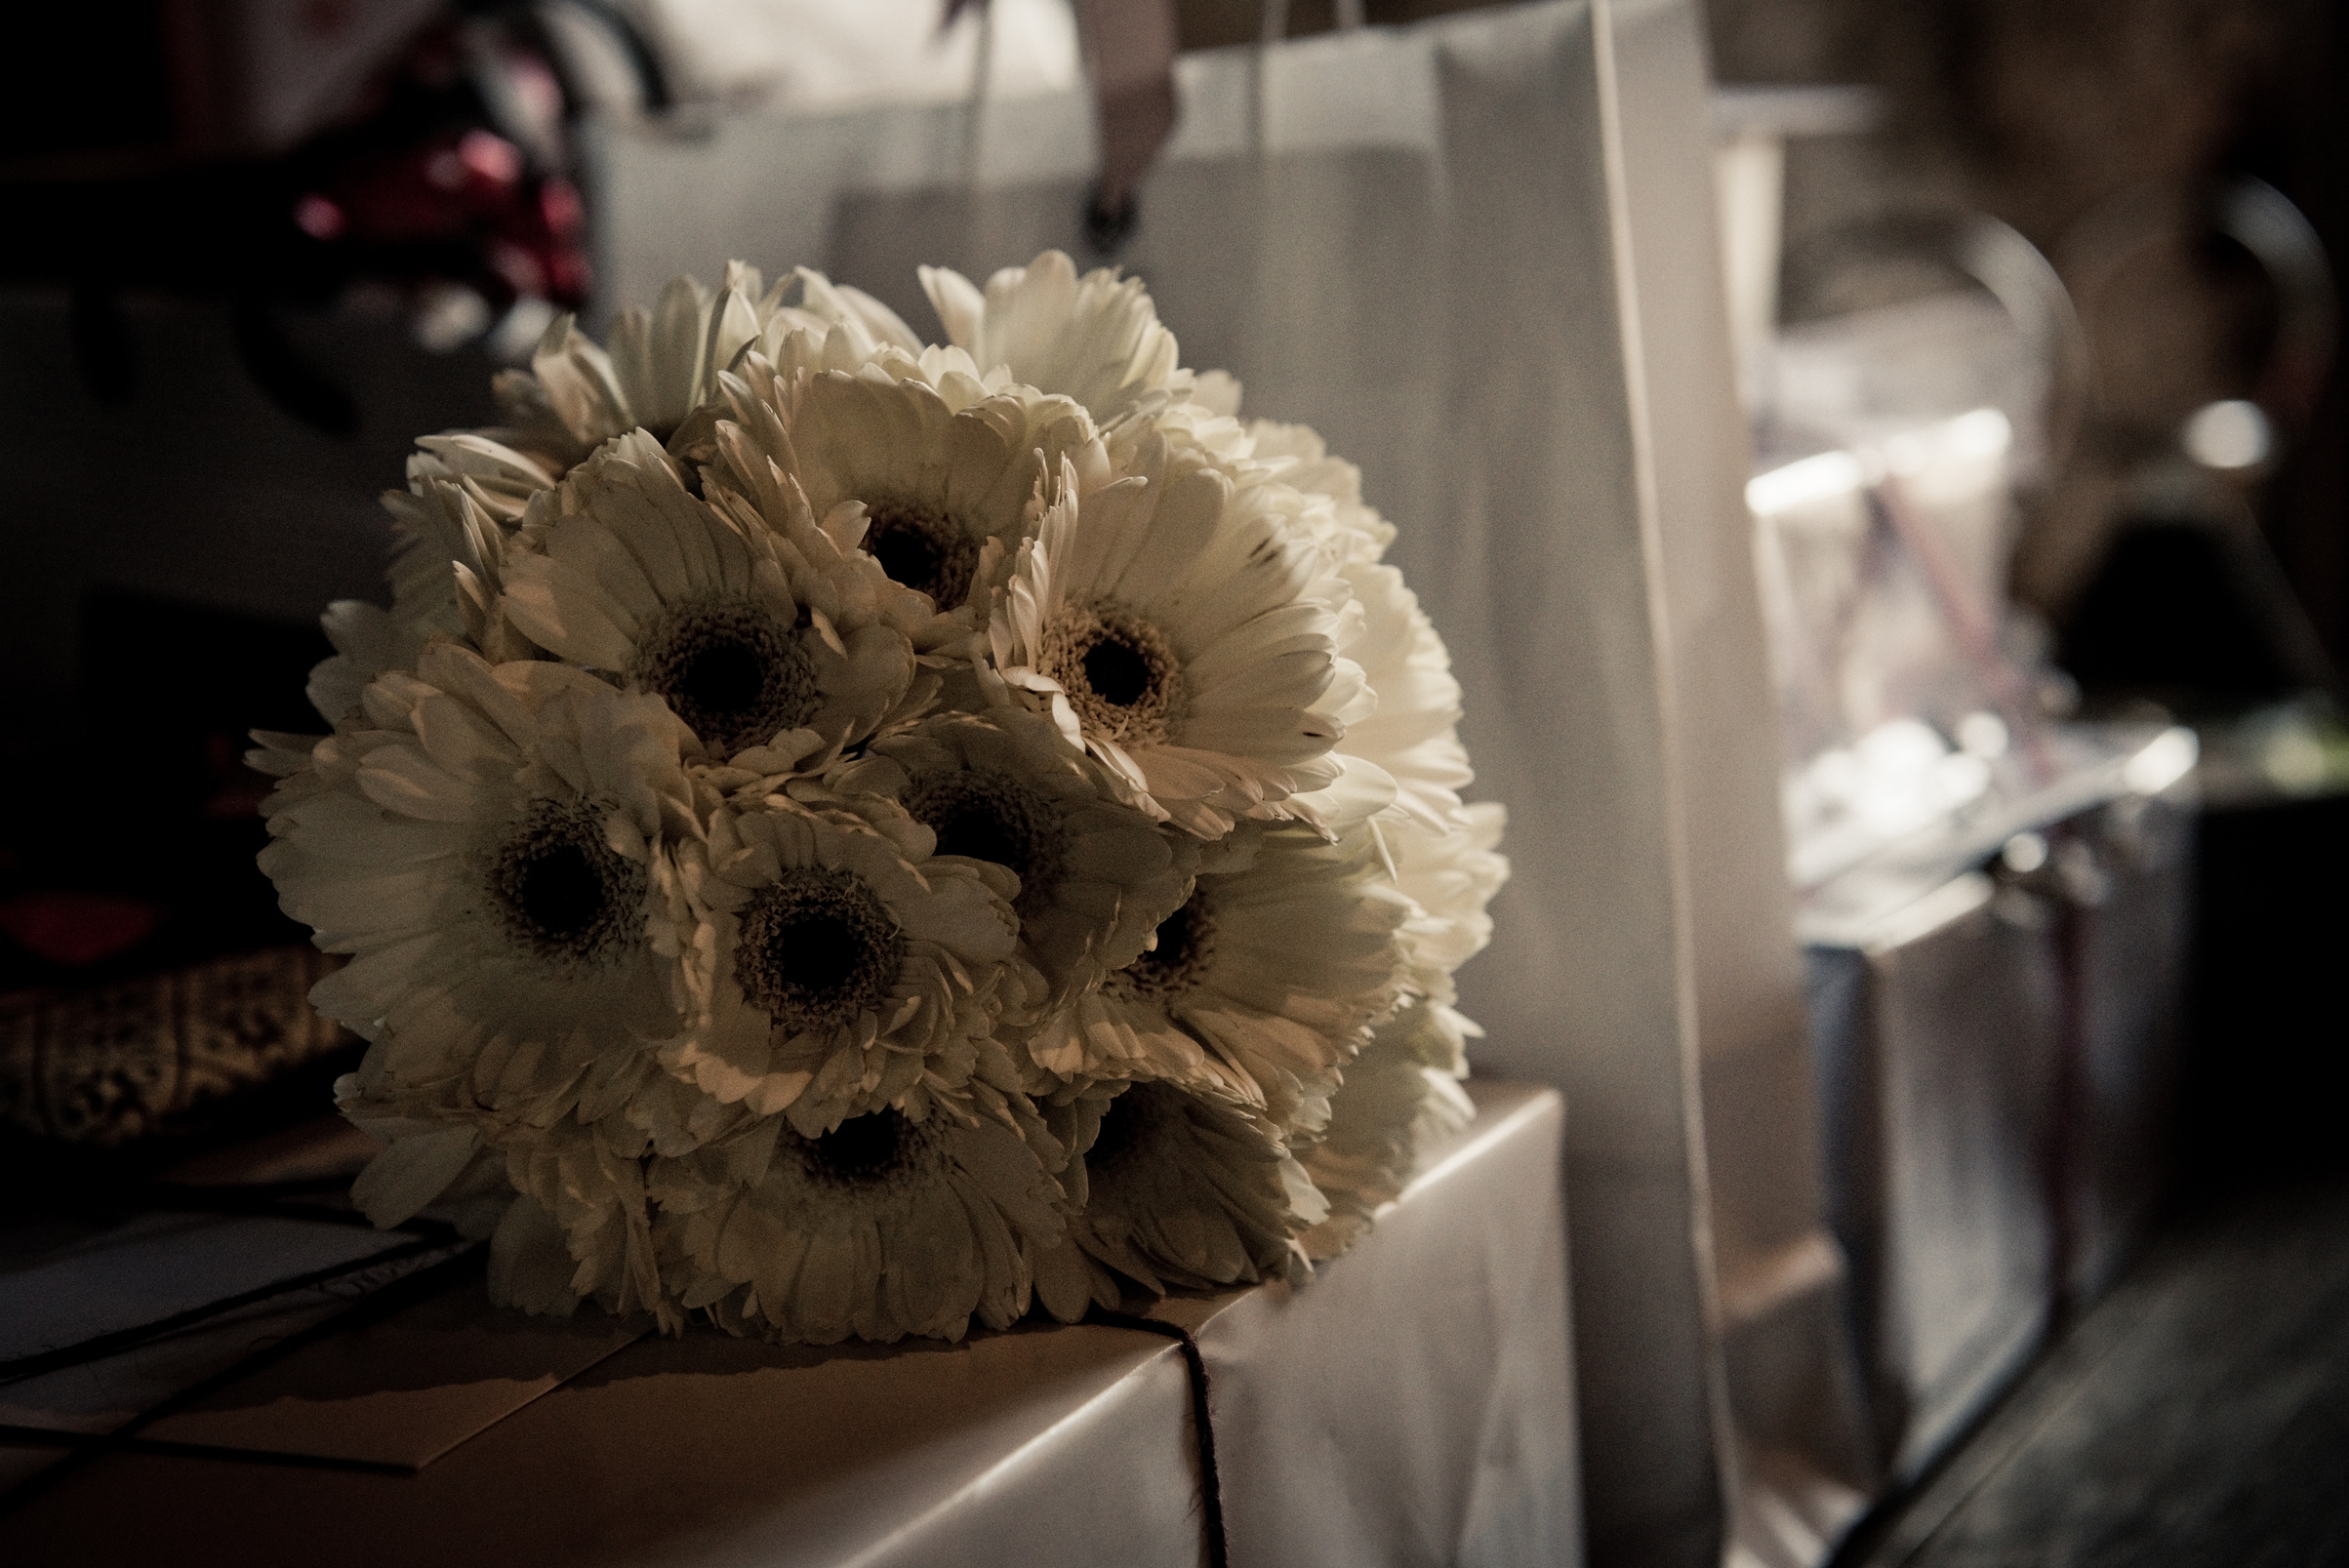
(1477,255)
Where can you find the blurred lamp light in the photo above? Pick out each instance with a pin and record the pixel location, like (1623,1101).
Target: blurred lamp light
(1965,440)
(1983,433)
(2229,434)
(318,218)
(2165,759)
(2024,853)
(2295,761)
(517,333)
(1983,734)
(448,316)
(1798,484)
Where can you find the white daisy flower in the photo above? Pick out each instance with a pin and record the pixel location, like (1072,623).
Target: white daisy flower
(469,489)
(946,477)
(1183,1191)
(840,968)
(665,363)
(880,1227)
(566,1207)
(495,851)
(1175,630)
(663,367)
(1094,339)
(1404,1088)
(498,478)
(1400,1094)
(1411,736)
(1095,876)
(1297,456)
(594,1193)
(737,632)
(1450,877)
(446,564)
(579,1228)
(1259,988)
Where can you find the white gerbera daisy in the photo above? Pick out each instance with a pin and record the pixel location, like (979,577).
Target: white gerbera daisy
(1402,1088)
(1176,631)
(1297,456)
(638,577)
(565,1206)
(495,849)
(1450,877)
(882,1225)
(841,968)
(1095,876)
(665,363)
(578,1228)
(1183,1191)
(1259,988)
(1095,338)
(575,398)
(445,549)
(468,490)
(947,475)
(1402,1091)
(1411,737)
(498,479)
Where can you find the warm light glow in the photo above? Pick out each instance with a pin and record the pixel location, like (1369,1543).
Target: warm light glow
(1798,484)
(1966,440)
(2166,758)
(2025,853)
(2233,434)
(1983,433)
(1983,734)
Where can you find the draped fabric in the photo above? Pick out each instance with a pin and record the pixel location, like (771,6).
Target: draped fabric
(1479,256)
(1410,1405)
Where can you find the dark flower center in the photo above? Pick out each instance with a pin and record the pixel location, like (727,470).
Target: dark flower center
(731,668)
(1122,676)
(1125,1128)
(1117,672)
(563,892)
(986,814)
(1186,946)
(722,677)
(862,1152)
(817,948)
(558,892)
(923,550)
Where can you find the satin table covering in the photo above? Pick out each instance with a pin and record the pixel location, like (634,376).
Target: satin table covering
(1411,1405)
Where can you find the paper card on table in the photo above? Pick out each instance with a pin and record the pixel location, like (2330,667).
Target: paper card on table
(95,1397)
(158,1264)
(402,1391)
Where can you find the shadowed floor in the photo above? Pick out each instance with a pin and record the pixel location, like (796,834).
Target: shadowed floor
(2198,1414)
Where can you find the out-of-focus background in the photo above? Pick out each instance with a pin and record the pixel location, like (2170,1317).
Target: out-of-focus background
(255,248)
(2034,319)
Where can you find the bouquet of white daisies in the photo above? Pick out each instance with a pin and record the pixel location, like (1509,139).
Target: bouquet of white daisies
(840,837)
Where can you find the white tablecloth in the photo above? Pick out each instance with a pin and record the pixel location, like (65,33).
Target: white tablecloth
(1410,1405)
